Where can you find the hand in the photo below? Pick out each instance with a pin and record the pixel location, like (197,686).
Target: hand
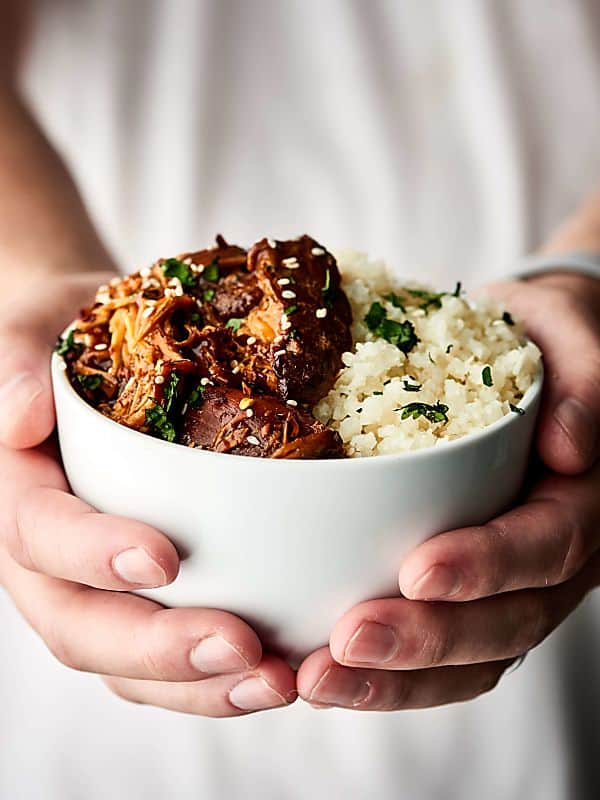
(500,588)
(58,555)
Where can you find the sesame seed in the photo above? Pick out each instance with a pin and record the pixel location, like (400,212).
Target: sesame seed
(272,243)
(287,294)
(287,262)
(279,353)
(283,281)
(184,409)
(293,265)
(204,381)
(178,291)
(233,363)
(286,325)
(188,261)
(169,292)
(101,346)
(148,311)
(235,370)
(321,313)
(159,379)
(249,412)
(253,440)
(145,272)
(251,340)
(291,402)
(318,251)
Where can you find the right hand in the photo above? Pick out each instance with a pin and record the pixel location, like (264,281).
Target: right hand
(69,569)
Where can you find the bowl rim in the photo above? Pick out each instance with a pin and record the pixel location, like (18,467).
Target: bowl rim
(59,373)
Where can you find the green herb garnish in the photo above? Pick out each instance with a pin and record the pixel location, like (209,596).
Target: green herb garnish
(412,387)
(159,423)
(290,310)
(516,409)
(456,292)
(450,346)
(506,317)
(174,268)
(486,376)
(234,323)
(170,391)
(393,298)
(68,345)
(435,413)
(211,271)
(377,393)
(196,395)
(90,382)
(208,295)
(402,334)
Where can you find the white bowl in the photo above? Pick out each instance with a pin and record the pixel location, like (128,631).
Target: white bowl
(289,545)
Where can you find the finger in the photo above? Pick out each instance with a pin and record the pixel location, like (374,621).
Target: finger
(60,535)
(325,683)
(271,685)
(397,633)
(542,543)
(26,405)
(128,636)
(567,329)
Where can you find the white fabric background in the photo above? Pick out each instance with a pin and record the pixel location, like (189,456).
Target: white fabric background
(449,137)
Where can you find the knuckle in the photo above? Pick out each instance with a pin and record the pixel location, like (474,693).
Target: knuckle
(159,629)
(574,549)
(435,647)
(537,623)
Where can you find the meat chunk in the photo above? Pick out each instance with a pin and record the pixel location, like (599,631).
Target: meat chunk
(229,421)
(302,324)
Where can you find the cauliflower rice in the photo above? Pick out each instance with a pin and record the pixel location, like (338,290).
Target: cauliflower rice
(462,347)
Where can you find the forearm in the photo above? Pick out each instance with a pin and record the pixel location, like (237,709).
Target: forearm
(44,225)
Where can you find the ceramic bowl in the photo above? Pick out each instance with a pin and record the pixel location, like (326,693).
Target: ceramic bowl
(289,546)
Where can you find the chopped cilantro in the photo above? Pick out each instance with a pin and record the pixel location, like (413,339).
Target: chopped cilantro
(402,334)
(159,423)
(68,345)
(516,409)
(234,323)
(412,387)
(195,317)
(486,376)
(377,393)
(90,382)
(170,391)
(327,291)
(211,271)
(293,334)
(393,298)
(435,413)
(196,395)
(208,295)
(428,299)
(174,268)
(506,317)
(290,310)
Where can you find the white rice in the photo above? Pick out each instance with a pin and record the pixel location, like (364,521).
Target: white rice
(457,342)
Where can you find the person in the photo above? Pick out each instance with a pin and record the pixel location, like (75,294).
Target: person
(455,136)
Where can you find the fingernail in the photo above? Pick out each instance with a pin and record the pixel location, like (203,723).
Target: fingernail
(136,566)
(437,583)
(341,687)
(372,643)
(579,424)
(215,655)
(21,390)
(254,694)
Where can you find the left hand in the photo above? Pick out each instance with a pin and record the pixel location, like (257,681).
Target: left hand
(506,585)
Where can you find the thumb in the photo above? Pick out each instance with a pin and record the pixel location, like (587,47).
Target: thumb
(26,403)
(566,327)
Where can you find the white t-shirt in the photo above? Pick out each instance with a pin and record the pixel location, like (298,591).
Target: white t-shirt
(449,137)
